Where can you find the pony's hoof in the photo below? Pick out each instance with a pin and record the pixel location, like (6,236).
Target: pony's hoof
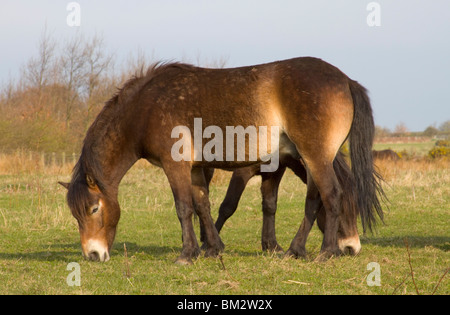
(272,247)
(214,251)
(295,253)
(211,253)
(324,256)
(183,261)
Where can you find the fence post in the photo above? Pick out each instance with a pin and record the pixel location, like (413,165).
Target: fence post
(64,158)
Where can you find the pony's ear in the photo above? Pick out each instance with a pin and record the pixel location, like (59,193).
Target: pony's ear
(91,182)
(65,185)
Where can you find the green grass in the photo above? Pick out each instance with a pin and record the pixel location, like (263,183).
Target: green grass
(39,237)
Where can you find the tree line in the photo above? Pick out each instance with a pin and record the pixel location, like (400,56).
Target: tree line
(63,87)
(400,130)
(59,92)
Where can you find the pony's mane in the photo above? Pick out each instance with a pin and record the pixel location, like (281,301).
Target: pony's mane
(89,164)
(138,81)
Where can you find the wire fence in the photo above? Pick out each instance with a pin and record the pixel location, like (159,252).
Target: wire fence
(44,158)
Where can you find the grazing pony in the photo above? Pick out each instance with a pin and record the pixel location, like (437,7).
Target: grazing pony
(311,105)
(348,238)
(387,154)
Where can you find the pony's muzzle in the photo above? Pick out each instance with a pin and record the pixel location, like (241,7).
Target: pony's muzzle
(96,251)
(96,256)
(350,245)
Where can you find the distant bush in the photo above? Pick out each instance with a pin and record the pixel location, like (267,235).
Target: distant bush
(443,143)
(439,152)
(408,155)
(403,154)
(344,149)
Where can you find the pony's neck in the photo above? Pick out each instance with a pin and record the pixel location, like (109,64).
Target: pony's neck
(115,167)
(107,155)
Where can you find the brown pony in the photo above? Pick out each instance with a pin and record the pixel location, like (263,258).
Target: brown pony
(312,104)
(385,155)
(348,238)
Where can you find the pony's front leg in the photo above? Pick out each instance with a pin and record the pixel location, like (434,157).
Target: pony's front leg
(179,176)
(212,243)
(269,191)
(312,206)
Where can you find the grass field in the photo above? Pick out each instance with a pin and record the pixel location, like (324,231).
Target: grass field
(39,238)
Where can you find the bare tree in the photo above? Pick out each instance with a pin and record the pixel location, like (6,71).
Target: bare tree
(83,62)
(98,62)
(445,126)
(430,131)
(72,65)
(38,70)
(382,132)
(401,129)
(7,91)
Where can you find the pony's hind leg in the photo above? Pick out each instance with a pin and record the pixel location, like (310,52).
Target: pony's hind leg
(208,173)
(318,131)
(331,194)
(238,181)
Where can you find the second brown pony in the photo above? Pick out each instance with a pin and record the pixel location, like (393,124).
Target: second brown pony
(348,237)
(313,104)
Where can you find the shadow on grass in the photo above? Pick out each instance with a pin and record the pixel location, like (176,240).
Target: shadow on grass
(66,252)
(151,250)
(439,242)
(72,252)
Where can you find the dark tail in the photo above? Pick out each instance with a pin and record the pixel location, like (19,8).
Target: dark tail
(367,180)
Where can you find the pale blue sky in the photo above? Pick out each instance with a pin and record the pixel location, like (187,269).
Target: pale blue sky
(404,62)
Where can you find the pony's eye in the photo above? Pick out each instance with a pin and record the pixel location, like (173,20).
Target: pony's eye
(94,209)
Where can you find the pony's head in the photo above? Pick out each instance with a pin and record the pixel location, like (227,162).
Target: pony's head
(348,236)
(97,215)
